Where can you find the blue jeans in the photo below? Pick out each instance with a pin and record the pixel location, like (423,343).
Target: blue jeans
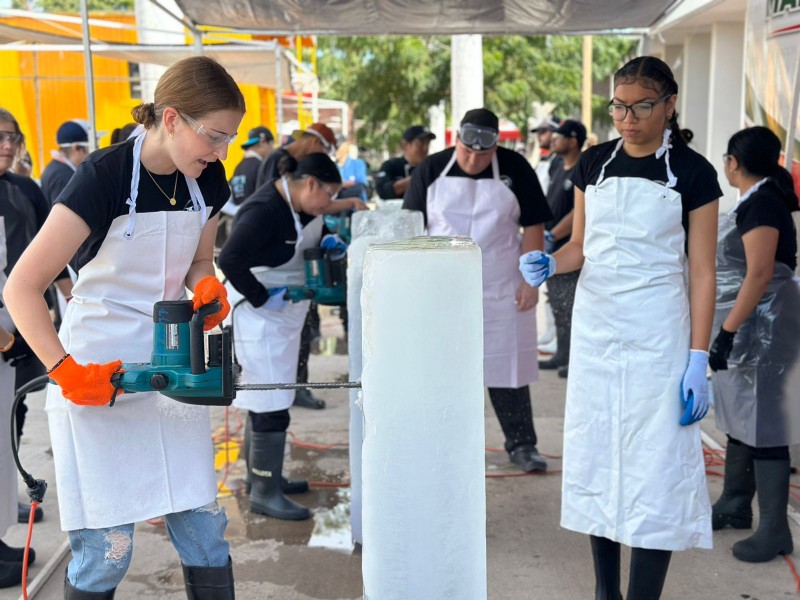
(101,557)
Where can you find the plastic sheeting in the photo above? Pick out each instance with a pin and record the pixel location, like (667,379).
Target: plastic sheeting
(445,17)
(758,397)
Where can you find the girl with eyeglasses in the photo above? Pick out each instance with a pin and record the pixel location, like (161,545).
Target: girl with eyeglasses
(756,353)
(263,255)
(644,234)
(137,223)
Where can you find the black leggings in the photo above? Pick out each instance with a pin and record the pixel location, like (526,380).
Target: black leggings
(270,422)
(513,409)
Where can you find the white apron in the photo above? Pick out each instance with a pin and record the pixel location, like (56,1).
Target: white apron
(8,470)
(267,342)
(757,400)
(148,455)
(487,211)
(631,473)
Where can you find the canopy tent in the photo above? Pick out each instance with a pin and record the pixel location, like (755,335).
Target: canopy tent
(253,62)
(424,17)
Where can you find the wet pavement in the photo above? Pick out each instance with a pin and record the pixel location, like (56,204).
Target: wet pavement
(529,556)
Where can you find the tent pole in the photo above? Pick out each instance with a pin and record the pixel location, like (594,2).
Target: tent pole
(89,73)
(279,89)
(791,131)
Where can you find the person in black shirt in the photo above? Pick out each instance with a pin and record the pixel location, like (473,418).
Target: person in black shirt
(644,234)
(395,174)
(489,193)
(72,138)
(756,354)
(264,255)
(566,143)
(259,145)
(138,222)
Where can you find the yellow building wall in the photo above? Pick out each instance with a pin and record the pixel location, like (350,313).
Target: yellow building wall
(45,89)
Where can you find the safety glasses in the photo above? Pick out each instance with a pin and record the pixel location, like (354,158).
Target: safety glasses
(10,138)
(477,138)
(332,194)
(214,140)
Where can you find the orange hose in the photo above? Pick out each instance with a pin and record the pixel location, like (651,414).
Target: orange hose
(31,518)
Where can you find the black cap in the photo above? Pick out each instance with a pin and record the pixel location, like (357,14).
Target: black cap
(73,132)
(550,123)
(418,132)
(572,129)
(319,166)
(481,117)
(258,134)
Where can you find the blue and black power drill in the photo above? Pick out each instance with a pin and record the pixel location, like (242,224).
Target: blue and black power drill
(178,367)
(326,267)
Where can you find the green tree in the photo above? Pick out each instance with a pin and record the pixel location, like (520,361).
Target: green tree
(388,81)
(74,5)
(391,81)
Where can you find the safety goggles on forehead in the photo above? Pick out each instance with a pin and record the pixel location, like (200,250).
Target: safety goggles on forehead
(477,138)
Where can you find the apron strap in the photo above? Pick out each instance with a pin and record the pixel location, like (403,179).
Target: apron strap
(136,171)
(749,193)
(197,198)
(495,167)
(605,164)
(672,181)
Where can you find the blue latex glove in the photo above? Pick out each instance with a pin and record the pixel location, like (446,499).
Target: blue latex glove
(694,388)
(334,245)
(549,242)
(276,300)
(536,267)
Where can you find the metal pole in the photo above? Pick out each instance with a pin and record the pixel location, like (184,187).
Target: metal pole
(278,89)
(39,132)
(89,73)
(586,103)
(790,126)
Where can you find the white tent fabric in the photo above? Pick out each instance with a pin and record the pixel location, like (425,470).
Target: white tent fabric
(426,17)
(253,64)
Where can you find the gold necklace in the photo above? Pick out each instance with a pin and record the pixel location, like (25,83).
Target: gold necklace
(172,199)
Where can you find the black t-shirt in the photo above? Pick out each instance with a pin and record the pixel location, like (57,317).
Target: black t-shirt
(560,197)
(243,182)
(55,178)
(24,210)
(515,172)
(275,165)
(99,190)
(766,208)
(392,170)
(263,236)
(697,179)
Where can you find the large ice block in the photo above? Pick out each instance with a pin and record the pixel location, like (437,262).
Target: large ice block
(424,513)
(368,227)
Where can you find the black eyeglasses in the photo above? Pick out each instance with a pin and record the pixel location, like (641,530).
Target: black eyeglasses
(12,138)
(640,110)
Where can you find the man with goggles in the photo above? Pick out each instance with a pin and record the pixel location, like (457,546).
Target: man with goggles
(489,193)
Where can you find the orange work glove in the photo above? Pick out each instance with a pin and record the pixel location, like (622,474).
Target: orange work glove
(86,385)
(207,290)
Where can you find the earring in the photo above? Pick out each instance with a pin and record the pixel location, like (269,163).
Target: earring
(171,135)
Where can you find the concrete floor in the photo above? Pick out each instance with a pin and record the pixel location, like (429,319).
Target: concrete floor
(529,556)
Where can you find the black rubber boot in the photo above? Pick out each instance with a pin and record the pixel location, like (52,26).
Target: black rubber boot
(605,555)
(24,513)
(266,463)
(773,536)
(10,574)
(648,573)
(735,506)
(73,593)
(289,486)
(10,554)
(209,583)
